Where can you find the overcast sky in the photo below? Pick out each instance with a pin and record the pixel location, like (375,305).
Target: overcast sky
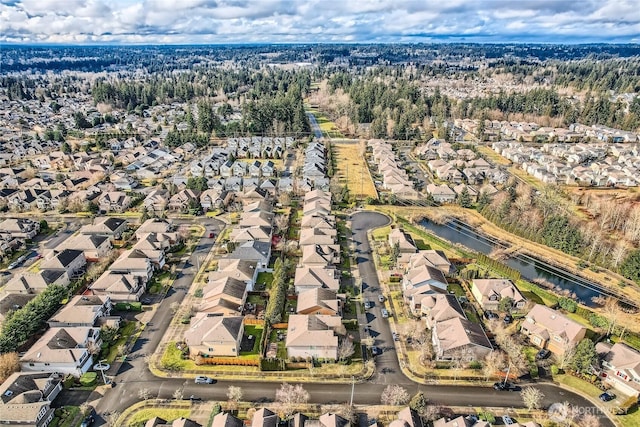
(271,21)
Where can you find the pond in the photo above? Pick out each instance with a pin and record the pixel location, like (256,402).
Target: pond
(531,268)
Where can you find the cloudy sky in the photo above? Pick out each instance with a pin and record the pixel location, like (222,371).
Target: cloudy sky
(284,21)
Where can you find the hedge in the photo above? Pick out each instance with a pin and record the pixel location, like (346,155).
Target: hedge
(229,361)
(88,379)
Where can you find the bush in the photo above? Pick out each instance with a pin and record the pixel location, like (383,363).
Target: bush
(88,379)
(475,365)
(69,381)
(555,370)
(198,293)
(487,416)
(568,304)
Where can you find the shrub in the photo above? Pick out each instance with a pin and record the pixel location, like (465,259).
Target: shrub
(555,370)
(88,379)
(568,304)
(199,293)
(487,416)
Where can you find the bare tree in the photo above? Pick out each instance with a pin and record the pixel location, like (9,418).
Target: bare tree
(494,361)
(174,307)
(612,311)
(532,397)
(289,396)
(234,394)
(178,394)
(85,408)
(394,395)
(346,348)
(112,418)
(565,358)
(619,253)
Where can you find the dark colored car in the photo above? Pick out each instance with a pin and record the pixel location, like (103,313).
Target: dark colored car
(607,396)
(376,351)
(505,386)
(490,315)
(508,319)
(542,354)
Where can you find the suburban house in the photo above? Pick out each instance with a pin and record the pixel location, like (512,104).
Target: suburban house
(320,255)
(82,310)
(440,307)
(20,227)
(134,262)
(106,225)
(462,421)
(213,335)
(154,226)
(33,283)
(253,250)
(441,193)
(260,233)
(64,350)
(405,244)
(313,336)
(421,281)
(156,201)
(459,338)
(119,287)
(408,418)
(263,417)
(182,200)
(620,367)
(311,277)
(240,269)
(225,419)
(317,236)
(94,246)
(431,258)
(114,201)
(224,295)
(26,397)
(178,422)
(489,293)
(71,261)
(319,301)
(550,329)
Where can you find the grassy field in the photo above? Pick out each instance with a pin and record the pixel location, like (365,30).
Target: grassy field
(492,156)
(327,127)
(169,414)
(352,170)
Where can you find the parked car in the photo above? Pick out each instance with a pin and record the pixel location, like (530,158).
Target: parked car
(367,304)
(607,396)
(211,235)
(490,315)
(89,419)
(506,419)
(381,298)
(505,386)
(508,319)
(395,335)
(542,354)
(376,351)
(385,313)
(203,380)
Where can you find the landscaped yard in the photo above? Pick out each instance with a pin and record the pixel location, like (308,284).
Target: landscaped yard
(169,414)
(352,170)
(126,330)
(255,331)
(264,279)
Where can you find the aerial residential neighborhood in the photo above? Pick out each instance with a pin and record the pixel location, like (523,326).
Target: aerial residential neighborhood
(226,214)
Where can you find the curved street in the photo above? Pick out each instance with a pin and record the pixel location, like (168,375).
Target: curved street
(134,375)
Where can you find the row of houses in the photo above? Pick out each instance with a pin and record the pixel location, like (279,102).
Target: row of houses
(14,233)
(394,177)
(217,328)
(581,164)
(316,329)
(259,146)
(533,132)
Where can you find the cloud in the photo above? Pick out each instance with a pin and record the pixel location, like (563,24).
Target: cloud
(240,21)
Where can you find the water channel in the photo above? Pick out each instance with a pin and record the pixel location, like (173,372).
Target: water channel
(531,268)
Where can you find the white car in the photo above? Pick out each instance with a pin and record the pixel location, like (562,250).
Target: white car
(506,419)
(385,313)
(203,380)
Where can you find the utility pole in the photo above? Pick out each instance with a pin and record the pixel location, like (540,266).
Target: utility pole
(353,385)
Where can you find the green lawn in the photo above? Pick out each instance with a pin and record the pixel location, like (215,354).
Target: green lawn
(66,415)
(578,384)
(457,289)
(256,331)
(266,278)
(126,330)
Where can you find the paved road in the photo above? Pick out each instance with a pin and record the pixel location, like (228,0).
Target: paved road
(134,374)
(315,127)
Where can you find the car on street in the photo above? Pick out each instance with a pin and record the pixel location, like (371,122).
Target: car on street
(505,386)
(89,419)
(508,319)
(607,396)
(194,398)
(381,298)
(396,336)
(385,313)
(507,420)
(376,351)
(542,354)
(203,380)
(211,235)
(367,304)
